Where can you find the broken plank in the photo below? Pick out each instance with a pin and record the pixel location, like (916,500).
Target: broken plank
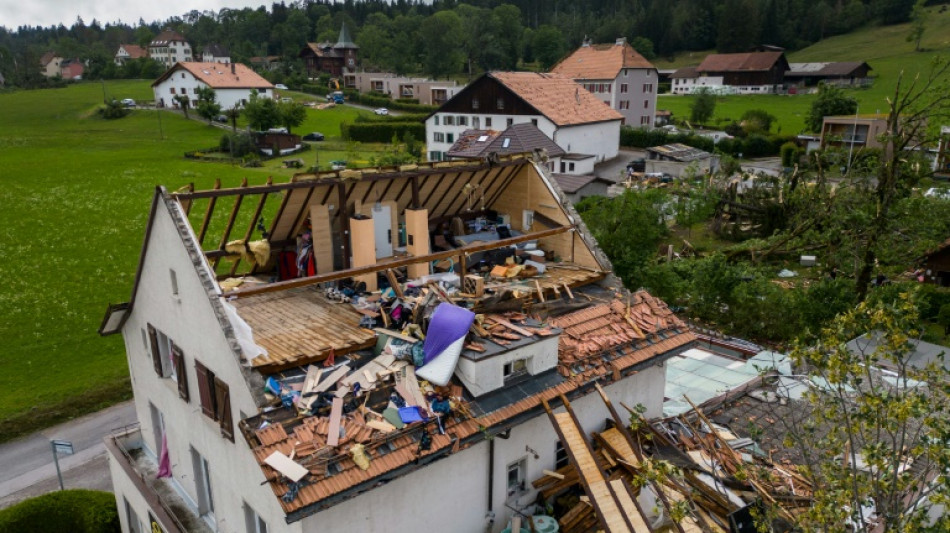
(509,325)
(381,425)
(313,378)
(395,335)
(287,467)
(336,416)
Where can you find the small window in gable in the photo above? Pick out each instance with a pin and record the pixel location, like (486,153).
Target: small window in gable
(474,103)
(174,280)
(500,103)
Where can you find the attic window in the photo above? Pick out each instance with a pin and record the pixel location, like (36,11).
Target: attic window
(474,103)
(483,138)
(506,143)
(501,103)
(514,368)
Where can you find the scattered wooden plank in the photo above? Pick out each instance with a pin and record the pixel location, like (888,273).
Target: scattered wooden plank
(509,325)
(394,283)
(540,292)
(381,425)
(313,378)
(287,467)
(336,416)
(325,384)
(395,335)
(553,474)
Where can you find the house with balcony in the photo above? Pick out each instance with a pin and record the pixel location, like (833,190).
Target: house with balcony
(233,84)
(853,131)
(426,91)
(571,116)
(170,47)
(269,401)
(617,75)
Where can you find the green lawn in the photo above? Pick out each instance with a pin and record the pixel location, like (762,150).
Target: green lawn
(75,191)
(884,48)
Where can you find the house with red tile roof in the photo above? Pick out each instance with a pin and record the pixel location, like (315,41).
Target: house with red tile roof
(618,75)
(573,117)
(128,52)
(743,73)
(233,84)
(50,64)
(279,370)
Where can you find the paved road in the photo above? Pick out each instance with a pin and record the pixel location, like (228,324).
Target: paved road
(26,465)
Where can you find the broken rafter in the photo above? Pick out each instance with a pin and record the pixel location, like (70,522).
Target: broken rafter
(230,225)
(208,212)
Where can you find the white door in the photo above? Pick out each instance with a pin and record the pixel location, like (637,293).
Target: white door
(383,230)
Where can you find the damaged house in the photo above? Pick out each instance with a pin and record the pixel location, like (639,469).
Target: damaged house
(373,350)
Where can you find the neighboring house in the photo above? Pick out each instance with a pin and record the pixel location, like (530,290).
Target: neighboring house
(516,139)
(50,64)
(169,47)
(942,158)
(746,73)
(565,112)
(233,84)
(846,73)
(617,75)
(215,53)
(200,355)
(265,62)
(426,91)
(578,187)
(128,52)
(935,266)
(72,69)
(678,160)
(853,131)
(333,58)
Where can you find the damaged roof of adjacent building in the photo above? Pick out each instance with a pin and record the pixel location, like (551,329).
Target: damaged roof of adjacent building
(517,139)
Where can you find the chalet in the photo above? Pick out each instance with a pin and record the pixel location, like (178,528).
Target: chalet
(745,73)
(617,75)
(128,52)
(846,73)
(424,90)
(50,64)
(935,265)
(215,53)
(265,398)
(574,118)
(169,47)
(332,58)
(233,84)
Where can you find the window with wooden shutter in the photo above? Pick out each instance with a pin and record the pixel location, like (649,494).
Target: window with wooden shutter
(222,403)
(156,353)
(178,359)
(205,388)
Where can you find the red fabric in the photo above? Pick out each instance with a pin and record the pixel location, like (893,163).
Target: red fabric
(164,463)
(287,262)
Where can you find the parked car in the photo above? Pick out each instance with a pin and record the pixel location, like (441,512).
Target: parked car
(381,111)
(221,118)
(280,86)
(286,100)
(277,130)
(338,165)
(934,192)
(128,102)
(313,136)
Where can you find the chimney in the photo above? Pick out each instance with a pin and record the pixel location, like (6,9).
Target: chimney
(621,41)
(232,69)
(585,42)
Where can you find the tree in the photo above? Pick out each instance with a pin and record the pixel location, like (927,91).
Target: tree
(183,102)
(261,113)
(233,114)
(869,439)
(831,101)
(917,24)
(703,106)
(291,114)
(207,107)
(548,45)
(442,49)
(757,121)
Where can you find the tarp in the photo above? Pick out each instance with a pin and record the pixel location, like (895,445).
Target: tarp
(449,323)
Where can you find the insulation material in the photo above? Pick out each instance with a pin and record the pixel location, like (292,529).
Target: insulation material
(449,324)
(243,333)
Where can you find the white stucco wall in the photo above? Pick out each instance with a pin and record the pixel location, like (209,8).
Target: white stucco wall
(601,139)
(182,80)
(486,375)
(188,319)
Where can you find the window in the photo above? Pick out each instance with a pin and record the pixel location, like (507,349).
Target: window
(135,526)
(516,367)
(463,121)
(500,104)
(161,349)
(645,121)
(195,89)
(203,484)
(215,399)
(624,104)
(646,104)
(647,87)
(438,137)
(252,521)
(262,91)
(171,90)
(516,475)
(476,123)
(182,75)
(509,122)
(487,122)
(561,458)
(474,103)
(450,137)
(174,279)
(436,123)
(435,156)
(450,120)
(570,167)
(623,88)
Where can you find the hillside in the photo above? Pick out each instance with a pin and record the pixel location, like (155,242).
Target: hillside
(884,48)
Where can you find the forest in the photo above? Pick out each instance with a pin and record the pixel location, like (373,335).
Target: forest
(450,37)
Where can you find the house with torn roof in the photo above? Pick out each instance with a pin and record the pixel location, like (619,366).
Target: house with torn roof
(619,76)
(300,367)
(571,116)
(742,73)
(233,84)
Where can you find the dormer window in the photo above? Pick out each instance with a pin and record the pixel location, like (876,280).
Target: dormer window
(513,369)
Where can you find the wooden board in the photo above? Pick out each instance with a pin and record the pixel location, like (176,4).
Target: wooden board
(313,378)
(287,467)
(622,491)
(336,416)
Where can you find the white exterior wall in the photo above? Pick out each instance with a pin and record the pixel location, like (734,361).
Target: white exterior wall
(182,80)
(189,321)
(484,376)
(208,57)
(641,87)
(452,493)
(174,52)
(601,139)
(688,85)
(477,121)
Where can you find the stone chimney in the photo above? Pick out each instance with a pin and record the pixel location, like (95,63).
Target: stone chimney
(233,70)
(621,41)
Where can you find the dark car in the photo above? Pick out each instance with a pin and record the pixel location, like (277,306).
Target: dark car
(221,118)
(313,136)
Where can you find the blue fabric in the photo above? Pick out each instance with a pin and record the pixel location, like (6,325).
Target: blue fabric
(272,386)
(449,323)
(409,415)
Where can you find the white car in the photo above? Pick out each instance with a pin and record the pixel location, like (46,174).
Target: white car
(280,86)
(128,102)
(934,192)
(381,111)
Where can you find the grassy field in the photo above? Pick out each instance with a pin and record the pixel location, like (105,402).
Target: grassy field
(884,48)
(75,191)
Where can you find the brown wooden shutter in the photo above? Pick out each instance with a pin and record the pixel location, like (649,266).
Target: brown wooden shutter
(205,378)
(178,359)
(222,403)
(156,353)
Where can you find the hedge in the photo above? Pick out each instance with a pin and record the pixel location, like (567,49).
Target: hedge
(405,117)
(76,511)
(754,145)
(381,132)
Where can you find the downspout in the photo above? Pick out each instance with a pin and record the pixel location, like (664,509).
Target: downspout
(490,515)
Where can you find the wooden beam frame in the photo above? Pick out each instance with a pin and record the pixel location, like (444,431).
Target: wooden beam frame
(232,218)
(250,227)
(208,212)
(351,272)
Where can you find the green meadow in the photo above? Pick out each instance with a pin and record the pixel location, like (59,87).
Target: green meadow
(884,48)
(74,196)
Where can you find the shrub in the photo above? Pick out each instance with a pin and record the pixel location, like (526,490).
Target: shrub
(789,153)
(238,144)
(113,110)
(76,511)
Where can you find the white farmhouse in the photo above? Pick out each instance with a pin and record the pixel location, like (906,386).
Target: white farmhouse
(272,407)
(233,84)
(579,122)
(169,47)
(215,53)
(617,75)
